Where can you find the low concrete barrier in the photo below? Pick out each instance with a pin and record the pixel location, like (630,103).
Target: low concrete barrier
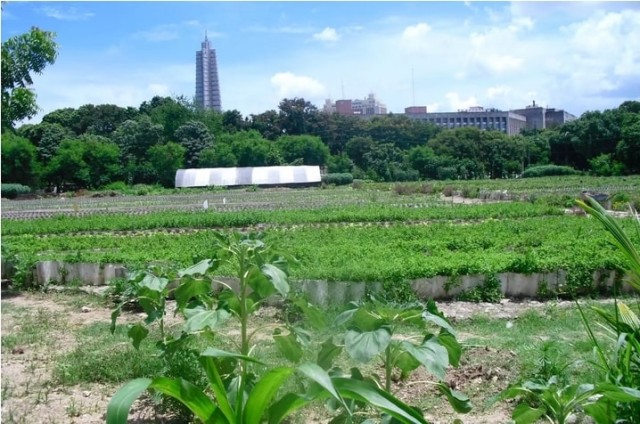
(326,293)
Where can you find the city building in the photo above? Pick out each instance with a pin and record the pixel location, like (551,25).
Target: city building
(486,119)
(540,118)
(415,110)
(207,84)
(368,106)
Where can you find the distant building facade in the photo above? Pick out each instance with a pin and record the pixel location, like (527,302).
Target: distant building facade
(540,118)
(369,106)
(207,83)
(490,119)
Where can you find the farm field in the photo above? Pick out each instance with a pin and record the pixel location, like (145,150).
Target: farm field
(61,362)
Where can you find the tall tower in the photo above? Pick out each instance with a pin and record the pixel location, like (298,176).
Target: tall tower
(207,85)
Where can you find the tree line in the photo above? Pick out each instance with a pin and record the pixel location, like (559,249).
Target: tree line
(94,145)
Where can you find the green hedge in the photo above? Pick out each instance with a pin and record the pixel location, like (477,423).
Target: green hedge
(337,179)
(548,170)
(11,191)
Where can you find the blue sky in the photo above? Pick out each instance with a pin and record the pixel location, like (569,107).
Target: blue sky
(447,55)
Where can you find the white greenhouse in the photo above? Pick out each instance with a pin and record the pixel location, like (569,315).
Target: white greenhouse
(261,176)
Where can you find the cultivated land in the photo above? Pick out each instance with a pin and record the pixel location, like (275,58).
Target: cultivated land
(61,364)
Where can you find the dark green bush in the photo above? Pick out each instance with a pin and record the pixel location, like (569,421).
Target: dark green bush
(337,179)
(548,170)
(11,191)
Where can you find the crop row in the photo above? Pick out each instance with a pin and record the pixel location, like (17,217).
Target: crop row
(352,253)
(239,219)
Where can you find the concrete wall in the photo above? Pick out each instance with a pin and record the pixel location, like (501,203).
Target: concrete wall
(326,293)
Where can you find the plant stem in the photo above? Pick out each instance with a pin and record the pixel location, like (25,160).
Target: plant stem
(388,368)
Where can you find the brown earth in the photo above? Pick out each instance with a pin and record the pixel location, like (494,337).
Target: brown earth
(30,396)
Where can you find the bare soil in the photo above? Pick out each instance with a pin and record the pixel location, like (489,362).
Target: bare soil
(29,394)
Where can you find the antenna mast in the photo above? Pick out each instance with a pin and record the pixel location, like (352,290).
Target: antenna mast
(342,85)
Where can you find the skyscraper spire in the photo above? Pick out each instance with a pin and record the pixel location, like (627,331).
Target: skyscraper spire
(207,84)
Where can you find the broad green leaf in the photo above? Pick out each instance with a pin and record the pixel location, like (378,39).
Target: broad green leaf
(450,343)
(217,353)
(286,405)
(363,346)
(189,289)
(619,393)
(201,268)
(313,315)
(137,333)
(431,354)
(405,362)
(328,352)
(524,414)
(439,321)
(320,376)
(260,283)
(157,284)
(219,390)
(120,404)
(459,401)
(602,411)
(201,318)
(186,393)
(277,277)
(344,317)
(263,393)
(372,395)
(289,346)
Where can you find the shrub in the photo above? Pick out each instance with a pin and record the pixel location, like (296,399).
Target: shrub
(447,191)
(357,184)
(337,179)
(548,170)
(11,191)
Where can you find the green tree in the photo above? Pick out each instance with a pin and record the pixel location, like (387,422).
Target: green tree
(219,156)
(308,149)
(357,147)
(194,137)
(171,114)
(86,162)
(339,164)
(136,136)
(67,117)
(250,149)
(267,124)
(166,159)
(19,164)
(46,137)
(101,119)
(22,55)
(232,121)
(297,116)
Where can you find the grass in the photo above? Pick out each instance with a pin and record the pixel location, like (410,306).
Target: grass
(542,342)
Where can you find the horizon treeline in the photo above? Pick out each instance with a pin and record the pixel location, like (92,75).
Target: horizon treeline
(95,145)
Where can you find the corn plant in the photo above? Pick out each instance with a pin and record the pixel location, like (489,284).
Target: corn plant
(235,393)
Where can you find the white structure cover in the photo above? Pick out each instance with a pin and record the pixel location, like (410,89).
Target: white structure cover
(263,175)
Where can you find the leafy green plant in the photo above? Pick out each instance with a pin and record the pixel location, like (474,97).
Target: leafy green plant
(240,394)
(372,332)
(546,399)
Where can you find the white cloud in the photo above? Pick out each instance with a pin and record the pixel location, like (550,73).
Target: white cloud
(68,14)
(415,32)
(327,34)
(456,103)
(497,91)
(290,85)
(158,34)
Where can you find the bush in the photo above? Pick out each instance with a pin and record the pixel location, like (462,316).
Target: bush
(116,186)
(337,179)
(548,170)
(11,191)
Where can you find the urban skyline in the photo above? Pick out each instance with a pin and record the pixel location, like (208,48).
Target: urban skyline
(447,56)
